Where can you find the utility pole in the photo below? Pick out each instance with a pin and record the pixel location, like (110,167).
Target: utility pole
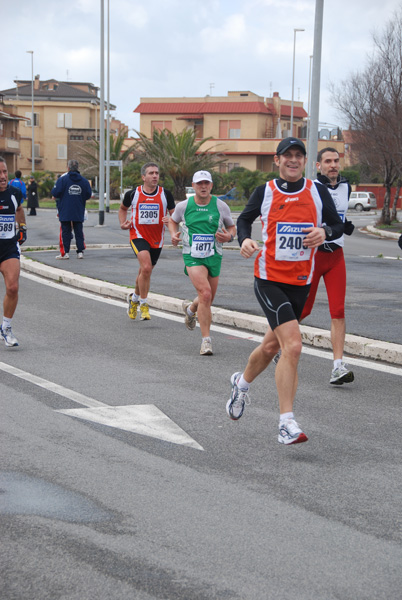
(102,118)
(312,145)
(31,52)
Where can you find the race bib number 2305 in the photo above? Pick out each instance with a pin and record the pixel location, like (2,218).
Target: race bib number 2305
(148,214)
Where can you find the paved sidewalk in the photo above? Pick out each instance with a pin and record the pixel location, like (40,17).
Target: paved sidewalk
(355,345)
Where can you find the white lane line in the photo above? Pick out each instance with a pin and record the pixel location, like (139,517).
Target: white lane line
(52,387)
(380,257)
(144,419)
(326,354)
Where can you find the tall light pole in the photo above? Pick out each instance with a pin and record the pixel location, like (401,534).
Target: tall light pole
(293,78)
(31,52)
(108,111)
(312,146)
(102,117)
(309,100)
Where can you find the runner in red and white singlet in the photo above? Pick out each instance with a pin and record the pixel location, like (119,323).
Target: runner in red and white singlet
(150,207)
(297,215)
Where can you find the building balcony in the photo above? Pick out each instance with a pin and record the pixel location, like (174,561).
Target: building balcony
(9,145)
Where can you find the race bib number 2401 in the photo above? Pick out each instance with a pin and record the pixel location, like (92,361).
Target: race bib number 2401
(289,242)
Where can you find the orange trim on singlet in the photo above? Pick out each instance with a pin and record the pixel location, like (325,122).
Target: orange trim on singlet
(304,206)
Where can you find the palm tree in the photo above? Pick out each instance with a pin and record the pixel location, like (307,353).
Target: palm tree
(177,155)
(88,154)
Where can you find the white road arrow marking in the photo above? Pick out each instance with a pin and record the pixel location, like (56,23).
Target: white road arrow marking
(142,419)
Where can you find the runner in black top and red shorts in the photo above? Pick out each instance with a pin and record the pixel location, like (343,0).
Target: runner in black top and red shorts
(330,264)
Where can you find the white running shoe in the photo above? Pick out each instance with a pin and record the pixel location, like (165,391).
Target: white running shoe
(238,399)
(341,375)
(8,336)
(190,322)
(290,433)
(64,257)
(206,348)
(80,255)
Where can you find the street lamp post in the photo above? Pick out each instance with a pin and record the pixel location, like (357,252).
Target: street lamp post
(102,117)
(293,78)
(312,146)
(309,101)
(108,112)
(31,52)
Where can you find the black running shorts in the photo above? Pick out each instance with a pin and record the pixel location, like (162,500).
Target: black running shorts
(280,302)
(9,250)
(139,244)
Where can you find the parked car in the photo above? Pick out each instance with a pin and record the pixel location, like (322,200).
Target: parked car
(362,201)
(189,192)
(231,195)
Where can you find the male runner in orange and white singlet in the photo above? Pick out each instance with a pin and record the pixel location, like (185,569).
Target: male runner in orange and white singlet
(297,215)
(150,205)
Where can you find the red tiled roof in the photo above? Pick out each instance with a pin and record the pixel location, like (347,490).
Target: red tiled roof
(184,117)
(298,111)
(200,108)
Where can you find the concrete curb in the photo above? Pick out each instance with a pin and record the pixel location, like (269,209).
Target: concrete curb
(320,338)
(381,233)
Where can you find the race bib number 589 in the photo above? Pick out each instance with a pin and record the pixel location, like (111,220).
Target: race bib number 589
(7,227)
(289,241)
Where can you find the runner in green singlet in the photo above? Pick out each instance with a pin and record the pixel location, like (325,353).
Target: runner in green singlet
(206,224)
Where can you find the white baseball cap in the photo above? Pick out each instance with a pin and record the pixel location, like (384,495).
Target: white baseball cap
(202,176)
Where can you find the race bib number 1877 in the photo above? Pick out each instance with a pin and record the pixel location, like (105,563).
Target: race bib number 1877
(289,241)
(202,245)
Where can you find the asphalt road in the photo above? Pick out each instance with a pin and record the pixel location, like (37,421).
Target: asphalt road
(91,510)
(373,307)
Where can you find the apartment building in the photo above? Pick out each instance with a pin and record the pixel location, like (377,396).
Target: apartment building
(64,112)
(244,126)
(9,136)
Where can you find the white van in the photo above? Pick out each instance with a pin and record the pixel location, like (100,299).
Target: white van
(362,201)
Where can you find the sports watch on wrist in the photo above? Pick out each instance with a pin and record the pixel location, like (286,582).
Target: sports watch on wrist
(328,231)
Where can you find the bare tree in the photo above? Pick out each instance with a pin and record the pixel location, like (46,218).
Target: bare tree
(372,103)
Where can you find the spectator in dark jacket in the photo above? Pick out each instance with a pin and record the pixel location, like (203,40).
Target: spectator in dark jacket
(33,198)
(72,191)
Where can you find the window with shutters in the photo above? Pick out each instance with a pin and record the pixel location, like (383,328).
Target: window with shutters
(62,151)
(229,129)
(64,120)
(29,116)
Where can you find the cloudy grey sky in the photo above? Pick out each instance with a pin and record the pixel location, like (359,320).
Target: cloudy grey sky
(190,47)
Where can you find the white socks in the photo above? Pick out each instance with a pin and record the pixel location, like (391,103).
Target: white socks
(243,384)
(285,416)
(6,322)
